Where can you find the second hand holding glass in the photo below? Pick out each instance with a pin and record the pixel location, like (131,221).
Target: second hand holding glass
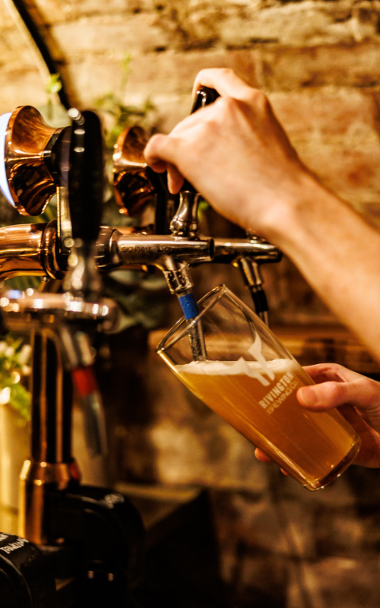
(251,380)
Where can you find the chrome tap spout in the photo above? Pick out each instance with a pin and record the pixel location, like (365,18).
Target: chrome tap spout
(248,255)
(154,250)
(230,251)
(171,254)
(31,250)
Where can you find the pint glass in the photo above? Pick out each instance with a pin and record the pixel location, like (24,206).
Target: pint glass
(251,380)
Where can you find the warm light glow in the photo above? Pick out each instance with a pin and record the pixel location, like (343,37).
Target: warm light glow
(4,119)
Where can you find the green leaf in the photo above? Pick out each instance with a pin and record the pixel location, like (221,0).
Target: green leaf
(54,84)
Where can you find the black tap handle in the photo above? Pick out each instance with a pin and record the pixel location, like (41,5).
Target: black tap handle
(203,97)
(86,175)
(187,187)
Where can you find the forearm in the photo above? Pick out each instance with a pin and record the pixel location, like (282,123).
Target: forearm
(237,155)
(338,253)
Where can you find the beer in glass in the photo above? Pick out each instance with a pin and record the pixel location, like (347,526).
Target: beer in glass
(251,380)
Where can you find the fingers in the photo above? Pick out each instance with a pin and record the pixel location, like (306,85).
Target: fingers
(261,456)
(172,153)
(159,154)
(224,81)
(326,395)
(362,393)
(175,179)
(322,372)
(157,151)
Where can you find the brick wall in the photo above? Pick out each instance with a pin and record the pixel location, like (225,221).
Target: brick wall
(317,60)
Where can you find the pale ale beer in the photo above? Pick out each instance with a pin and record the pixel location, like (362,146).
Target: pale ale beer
(247,376)
(262,405)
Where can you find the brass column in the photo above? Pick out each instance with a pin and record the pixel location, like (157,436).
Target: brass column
(51,465)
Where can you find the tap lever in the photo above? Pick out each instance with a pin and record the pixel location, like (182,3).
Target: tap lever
(204,97)
(185,221)
(185,225)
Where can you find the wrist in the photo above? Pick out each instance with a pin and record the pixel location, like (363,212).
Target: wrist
(304,208)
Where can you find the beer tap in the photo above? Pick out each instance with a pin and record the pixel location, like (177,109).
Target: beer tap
(56,512)
(132,176)
(40,249)
(249,255)
(134,184)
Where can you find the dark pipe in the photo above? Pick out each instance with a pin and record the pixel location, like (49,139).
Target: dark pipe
(52,404)
(43,48)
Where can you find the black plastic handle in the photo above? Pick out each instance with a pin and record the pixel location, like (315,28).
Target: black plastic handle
(86,175)
(203,97)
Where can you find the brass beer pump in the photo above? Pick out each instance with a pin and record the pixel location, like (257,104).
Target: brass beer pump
(53,501)
(57,513)
(38,162)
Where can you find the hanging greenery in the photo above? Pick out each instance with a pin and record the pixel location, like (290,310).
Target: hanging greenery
(14,369)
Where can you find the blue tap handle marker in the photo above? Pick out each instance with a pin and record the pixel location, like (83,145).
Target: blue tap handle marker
(197,340)
(189,306)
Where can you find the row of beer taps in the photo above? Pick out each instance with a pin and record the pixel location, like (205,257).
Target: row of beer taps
(36,160)
(39,162)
